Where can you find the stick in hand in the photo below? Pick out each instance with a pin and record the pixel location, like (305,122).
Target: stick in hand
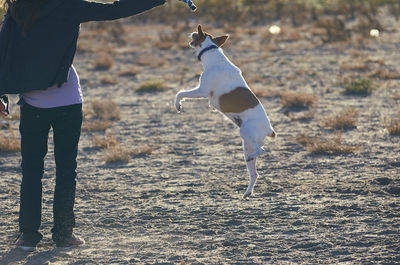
(190,4)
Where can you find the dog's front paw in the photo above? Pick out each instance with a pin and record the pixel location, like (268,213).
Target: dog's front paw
(178,107)
(259,152)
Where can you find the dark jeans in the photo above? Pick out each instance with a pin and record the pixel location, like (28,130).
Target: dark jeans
(35,125)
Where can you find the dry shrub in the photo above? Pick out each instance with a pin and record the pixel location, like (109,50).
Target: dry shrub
(105,142)
(331,146)
(106,110)
(303,116)
(114,152)
(129,72)
(96,125)
(100,114)
(108,80)
(104,61)
(360,66)
(335,29)
(85,45)
(298,100)
(143,150)
(168,39)
(267,93)
(10,144)
(343,120)
(150,60)
(393,127)
(385,74)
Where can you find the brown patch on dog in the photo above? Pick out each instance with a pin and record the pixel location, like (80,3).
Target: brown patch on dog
(198,39)
(238,100)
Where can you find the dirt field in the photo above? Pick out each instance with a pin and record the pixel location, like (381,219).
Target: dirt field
(183,203)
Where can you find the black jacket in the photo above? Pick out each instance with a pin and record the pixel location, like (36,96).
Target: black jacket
(42,57)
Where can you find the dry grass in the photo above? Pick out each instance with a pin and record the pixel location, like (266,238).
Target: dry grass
(104,61)
(343,120)
(308,115)
(112,149)
(335,29)
(108,141)
(96,125)
(129,72)
(143,150)
(9,143)
(150,60)
(267,92)
(393,127)
(114,152)
(100,114)
(151,86)
(117,154)
(385,74)
(360,87)
(106,110)
(298,100)
(331,146)
(108,80)
(360,66)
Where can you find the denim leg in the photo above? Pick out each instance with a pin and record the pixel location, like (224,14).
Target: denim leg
(34,129)
(67,128)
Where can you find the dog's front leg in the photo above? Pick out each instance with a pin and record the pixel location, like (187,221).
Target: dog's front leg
(198,92)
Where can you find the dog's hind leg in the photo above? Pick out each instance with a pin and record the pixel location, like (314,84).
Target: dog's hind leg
(250,138)
(251,167)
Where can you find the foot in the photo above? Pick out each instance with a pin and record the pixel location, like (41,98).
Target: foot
(28,242)
(250,188)
(70,241)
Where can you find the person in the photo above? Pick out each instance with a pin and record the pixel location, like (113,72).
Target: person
(38,40)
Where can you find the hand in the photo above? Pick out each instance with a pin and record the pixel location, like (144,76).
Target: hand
(4,105)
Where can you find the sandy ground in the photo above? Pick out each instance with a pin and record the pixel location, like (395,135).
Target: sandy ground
(182,204)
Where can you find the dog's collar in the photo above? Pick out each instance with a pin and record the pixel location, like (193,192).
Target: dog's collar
(205,50)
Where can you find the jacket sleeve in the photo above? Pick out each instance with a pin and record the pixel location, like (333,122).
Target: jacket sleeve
(85,11)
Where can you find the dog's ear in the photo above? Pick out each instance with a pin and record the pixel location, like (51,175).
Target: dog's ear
(220,40)
(200,31)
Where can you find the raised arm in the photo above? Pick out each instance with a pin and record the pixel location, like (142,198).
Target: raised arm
(94,11)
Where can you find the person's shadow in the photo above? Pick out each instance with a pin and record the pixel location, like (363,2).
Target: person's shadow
(13,255)
(32,258)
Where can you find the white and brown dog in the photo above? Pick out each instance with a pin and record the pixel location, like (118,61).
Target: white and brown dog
(222,82)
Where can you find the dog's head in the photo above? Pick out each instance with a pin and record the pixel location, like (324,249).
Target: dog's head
(202,39)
